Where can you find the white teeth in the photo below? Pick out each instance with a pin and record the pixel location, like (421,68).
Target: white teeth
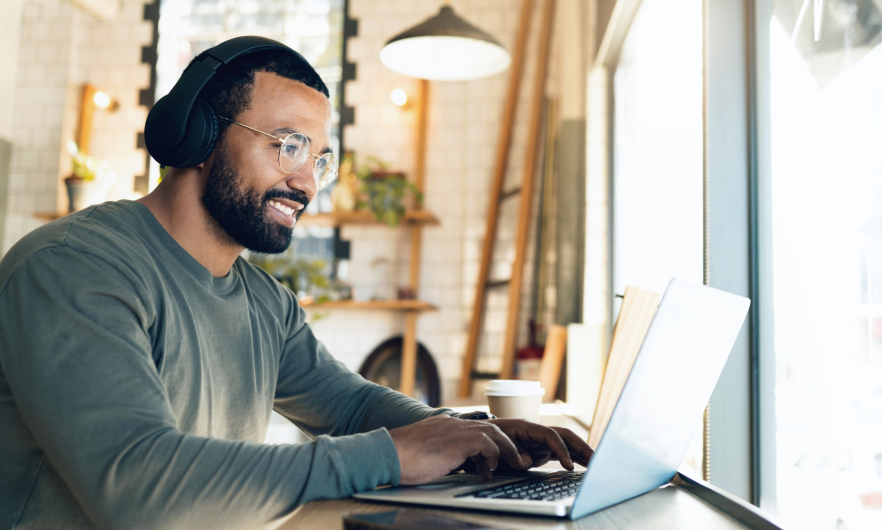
(287,210)
(281,207)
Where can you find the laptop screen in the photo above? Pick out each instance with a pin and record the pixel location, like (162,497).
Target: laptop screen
(661,404)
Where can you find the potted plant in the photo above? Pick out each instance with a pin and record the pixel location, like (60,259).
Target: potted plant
(308,279)
(385,192)
(89,182)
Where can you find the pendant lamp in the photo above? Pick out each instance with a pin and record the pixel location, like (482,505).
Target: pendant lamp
(445,48)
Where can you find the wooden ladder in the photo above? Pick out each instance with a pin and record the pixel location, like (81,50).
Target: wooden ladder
(525,192)
(409,346)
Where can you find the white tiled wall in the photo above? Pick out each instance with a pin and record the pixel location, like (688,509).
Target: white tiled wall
(42,84)
(117,70)
(61,48)
(464,120)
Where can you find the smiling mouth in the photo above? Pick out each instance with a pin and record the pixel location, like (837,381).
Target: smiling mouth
(286,210)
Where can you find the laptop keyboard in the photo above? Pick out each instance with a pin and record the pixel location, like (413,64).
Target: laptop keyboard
(551,487)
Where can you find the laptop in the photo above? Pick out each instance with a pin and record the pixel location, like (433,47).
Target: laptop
(649,432)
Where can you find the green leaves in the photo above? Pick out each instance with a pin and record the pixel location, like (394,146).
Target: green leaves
(88,167)
(307,278)
(386,192)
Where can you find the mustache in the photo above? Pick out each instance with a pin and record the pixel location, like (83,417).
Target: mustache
(291,195)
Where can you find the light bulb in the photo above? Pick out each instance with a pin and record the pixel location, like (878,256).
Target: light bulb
(101,99)
(399,97)
(444,58)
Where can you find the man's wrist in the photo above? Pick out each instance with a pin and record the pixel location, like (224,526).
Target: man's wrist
(477,415)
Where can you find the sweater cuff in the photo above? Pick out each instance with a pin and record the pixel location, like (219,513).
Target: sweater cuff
(370,459)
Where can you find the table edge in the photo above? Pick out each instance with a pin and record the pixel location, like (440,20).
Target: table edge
(726,502)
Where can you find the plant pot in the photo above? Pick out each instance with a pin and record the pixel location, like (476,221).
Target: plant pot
(389,195)
(84,193)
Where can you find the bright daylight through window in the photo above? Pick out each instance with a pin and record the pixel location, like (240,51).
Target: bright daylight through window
(657,228)
(826,67)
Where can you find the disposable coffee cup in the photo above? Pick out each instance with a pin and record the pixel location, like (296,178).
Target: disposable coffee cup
(511,398)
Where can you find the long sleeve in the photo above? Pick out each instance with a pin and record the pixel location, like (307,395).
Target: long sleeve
(81,393)
(322,396)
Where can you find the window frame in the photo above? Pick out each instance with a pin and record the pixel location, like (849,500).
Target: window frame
(740,427)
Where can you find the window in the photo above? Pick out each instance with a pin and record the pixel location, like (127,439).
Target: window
(658,154)
(826,225)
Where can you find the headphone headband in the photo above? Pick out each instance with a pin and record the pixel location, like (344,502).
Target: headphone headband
(176,133)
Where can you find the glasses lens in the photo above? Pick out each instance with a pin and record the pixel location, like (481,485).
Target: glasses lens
(293,152)
(325,170)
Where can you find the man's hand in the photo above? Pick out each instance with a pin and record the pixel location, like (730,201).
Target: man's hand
(434,447)
(431,448)
(543,443)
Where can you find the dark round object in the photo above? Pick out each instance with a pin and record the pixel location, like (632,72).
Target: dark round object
(383,366)
(197,144)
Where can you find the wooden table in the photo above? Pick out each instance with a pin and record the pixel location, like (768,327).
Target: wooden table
(671,507)
(682,504)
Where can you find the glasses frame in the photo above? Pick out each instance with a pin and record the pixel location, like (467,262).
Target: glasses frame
(283,140)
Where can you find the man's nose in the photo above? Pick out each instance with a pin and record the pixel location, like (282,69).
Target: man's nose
(303,180)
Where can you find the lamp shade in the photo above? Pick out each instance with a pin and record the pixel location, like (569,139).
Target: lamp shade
(445,48)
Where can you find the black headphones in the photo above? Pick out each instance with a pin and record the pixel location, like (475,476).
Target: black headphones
(181,129)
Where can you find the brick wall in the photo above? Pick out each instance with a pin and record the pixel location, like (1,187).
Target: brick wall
(61,48)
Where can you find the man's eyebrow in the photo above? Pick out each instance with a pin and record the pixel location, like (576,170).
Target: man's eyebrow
(285,131)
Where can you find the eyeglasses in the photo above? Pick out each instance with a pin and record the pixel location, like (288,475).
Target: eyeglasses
(294,152)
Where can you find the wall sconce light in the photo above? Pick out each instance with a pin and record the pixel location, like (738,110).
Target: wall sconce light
(399,97)
(92,98)
(100,99)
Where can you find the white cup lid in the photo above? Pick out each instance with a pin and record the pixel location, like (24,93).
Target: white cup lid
(514,387)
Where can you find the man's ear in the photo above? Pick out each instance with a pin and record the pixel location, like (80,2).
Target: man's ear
(200,167)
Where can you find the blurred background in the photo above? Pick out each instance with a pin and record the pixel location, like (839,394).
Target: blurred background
(731,143)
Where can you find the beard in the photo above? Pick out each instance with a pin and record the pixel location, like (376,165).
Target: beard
(243,213)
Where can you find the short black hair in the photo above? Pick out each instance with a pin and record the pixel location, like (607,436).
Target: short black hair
(229,91)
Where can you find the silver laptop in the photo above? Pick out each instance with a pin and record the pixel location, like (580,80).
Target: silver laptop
(650,429)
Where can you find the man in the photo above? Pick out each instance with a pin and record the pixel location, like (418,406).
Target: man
(141,357)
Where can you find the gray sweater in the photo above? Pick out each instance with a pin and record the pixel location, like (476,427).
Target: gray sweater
(135,388)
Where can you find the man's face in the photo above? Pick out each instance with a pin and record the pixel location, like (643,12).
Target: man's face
(246,191)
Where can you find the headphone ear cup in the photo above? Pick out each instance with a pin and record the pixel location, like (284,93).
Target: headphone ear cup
(209,123)
(202,132)
(212,131)
(199,141)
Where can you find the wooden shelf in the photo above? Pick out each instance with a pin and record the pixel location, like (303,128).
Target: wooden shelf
(46,216)
(395,305)
(411,217)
